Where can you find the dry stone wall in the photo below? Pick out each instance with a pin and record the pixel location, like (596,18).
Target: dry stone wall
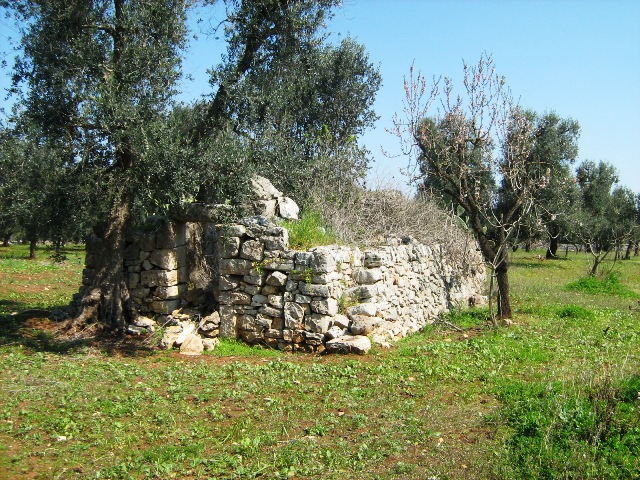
(242,281)
(334,297)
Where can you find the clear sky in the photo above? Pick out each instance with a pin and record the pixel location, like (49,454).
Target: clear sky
(579,58)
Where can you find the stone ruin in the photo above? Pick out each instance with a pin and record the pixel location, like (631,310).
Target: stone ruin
(203,280)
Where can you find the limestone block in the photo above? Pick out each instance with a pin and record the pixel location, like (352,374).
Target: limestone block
(364,309)
(263,189)
(302,260)
(276,243)
(228,283)
(210,344)
(293,315)
(277,279)
(313,338)
(327,306)
(341,321)
(255,278)
(247,322)
(334,332)
(299,298)
(273,333)
(235,266)
(363,292)
(229,247)
(159,278)
(361,325)
(373,259)
(278,323)
(325,278)
(234,298)
(263,321)
(368,276)
(357,344)
(164,306)
(288,209)
(139,292)
(170,293)
(228,322)
(147,265)
(271,312)
(252,250)
(269,290)
(168,340)
(192,345)
(317,323)
(276,301)
(322,260)
(313,290)
(266,208)
(164,258)
(259,300)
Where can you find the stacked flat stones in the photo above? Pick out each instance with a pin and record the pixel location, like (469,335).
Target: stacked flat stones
(332,297)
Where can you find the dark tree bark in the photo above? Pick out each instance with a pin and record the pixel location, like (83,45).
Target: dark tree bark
(33,242)
(108,300)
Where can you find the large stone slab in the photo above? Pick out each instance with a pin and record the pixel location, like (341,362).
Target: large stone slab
(357,344)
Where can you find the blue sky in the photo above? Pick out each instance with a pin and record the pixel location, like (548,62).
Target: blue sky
(579,58)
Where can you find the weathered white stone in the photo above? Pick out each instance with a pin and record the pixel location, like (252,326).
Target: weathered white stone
(168,340)
(363,292)
(293,315)
(210,344)
(287,208)
(169,293)
(192,345)
(277,279)
(363,325)
(187,329)
(145,322)
(365,309)
(266,208)
(327,306)
(235,266)
(259,300)
(167,259)
(367,276)
(317,323)
(271,312)
(334,332)
(373,259)
(228,283)
(229,247)
(322,260)
(263,189)
(276,301)
(341,321)
(357,344)
(252,250)
(228,322)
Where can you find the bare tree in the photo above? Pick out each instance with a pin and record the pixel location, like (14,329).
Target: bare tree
(475,151)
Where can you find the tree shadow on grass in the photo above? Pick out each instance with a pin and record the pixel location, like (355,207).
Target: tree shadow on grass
(34,329)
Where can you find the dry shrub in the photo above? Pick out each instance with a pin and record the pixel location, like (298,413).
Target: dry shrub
(366,218)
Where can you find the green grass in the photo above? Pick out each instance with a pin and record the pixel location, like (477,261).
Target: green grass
(608,285)
(553,396)
(309,231)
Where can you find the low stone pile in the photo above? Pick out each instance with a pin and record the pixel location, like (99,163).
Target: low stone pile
(191,334)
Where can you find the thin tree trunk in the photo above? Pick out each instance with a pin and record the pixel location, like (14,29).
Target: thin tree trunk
(627,254)
(504,303)
(32,248)
(553,248)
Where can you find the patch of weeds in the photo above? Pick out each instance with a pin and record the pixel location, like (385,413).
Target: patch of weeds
(608,285)
(230,347)
(580,429)
(310,231)
(345,302)
(468,317)
(575,312)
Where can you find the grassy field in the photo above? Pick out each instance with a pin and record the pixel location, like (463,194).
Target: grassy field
(556,395)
